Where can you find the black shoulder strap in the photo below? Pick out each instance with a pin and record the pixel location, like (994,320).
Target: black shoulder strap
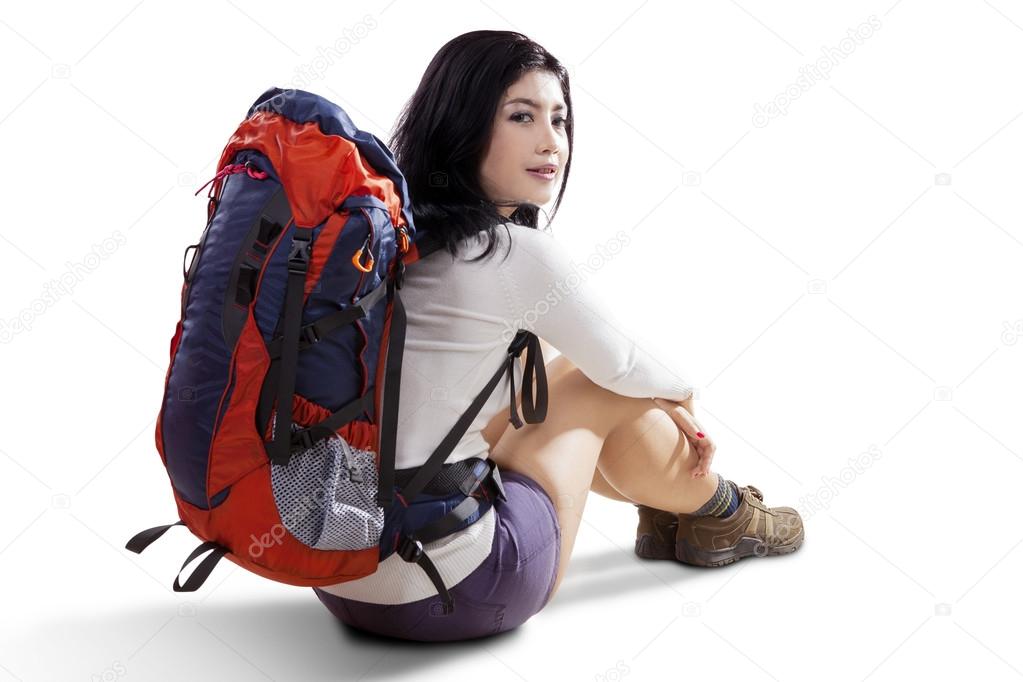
(534,412)
(388,415)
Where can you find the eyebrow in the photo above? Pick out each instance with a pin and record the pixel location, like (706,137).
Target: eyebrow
(529,102)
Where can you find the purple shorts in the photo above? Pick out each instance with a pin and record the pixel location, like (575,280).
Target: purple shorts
(513,582)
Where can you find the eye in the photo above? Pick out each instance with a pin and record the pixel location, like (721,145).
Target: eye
(560,121)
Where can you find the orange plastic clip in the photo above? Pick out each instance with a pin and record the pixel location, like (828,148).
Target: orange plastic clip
(357,260)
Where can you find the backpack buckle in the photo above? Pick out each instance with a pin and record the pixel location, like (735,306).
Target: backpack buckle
(299,256)
(409,549)
(301,440)
(495,476)
(310,335)
(521,340)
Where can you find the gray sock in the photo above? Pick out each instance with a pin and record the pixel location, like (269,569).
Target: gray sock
(723,502)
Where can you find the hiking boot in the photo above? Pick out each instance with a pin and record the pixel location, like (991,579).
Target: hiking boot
(655,536)
(753,530)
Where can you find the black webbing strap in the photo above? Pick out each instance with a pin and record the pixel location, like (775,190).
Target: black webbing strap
(410,547)
(388,418)
(412,551)
(314,332)
(298,264)
(147,537)
(203,570)
(271,220)
(534,413)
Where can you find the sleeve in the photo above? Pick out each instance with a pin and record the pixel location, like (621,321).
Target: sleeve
(549,297)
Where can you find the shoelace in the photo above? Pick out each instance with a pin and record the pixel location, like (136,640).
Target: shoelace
(756,492)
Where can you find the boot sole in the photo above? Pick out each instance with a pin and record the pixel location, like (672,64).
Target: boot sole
(746,547)
(649,547)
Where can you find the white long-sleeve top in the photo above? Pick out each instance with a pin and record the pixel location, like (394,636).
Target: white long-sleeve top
(461,318)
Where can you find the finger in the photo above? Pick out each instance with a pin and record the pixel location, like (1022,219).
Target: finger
(681,416)
(705,456)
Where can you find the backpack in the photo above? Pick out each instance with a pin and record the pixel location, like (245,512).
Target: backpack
(279,416)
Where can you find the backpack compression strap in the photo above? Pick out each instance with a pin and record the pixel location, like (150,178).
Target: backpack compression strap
(298,264)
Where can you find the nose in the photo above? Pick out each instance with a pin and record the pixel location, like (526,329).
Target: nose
(548,143)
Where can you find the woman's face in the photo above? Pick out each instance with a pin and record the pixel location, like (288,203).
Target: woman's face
(529,133)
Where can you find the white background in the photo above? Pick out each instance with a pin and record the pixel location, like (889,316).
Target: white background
(842,280)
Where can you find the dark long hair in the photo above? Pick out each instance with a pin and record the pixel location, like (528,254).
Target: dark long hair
(443,131)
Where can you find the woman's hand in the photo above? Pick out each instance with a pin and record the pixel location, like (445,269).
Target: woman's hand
(680,413)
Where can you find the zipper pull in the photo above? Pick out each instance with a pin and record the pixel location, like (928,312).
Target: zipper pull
(354,473)
(357,258)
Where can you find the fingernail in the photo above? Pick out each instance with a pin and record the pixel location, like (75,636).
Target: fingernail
(699,434)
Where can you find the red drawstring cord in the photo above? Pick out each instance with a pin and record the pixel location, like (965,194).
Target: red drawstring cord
(231,170)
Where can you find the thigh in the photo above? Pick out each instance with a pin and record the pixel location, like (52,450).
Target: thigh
(499,423)
(561,453)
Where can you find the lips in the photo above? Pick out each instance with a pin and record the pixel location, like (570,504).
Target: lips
(546,172)
(547,176)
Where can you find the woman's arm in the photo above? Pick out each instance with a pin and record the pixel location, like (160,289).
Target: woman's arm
(549,296)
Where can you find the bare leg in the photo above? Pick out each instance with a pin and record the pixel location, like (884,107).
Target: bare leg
(640,451)
(605,489)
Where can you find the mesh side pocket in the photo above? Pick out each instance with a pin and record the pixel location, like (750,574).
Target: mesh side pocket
(326,495)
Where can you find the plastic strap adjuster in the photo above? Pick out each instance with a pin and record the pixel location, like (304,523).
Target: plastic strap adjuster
(410,549)
(299,256)
(495,476)
(301,440)
(310,335)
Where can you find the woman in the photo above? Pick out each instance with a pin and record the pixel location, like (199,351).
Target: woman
(483,143)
